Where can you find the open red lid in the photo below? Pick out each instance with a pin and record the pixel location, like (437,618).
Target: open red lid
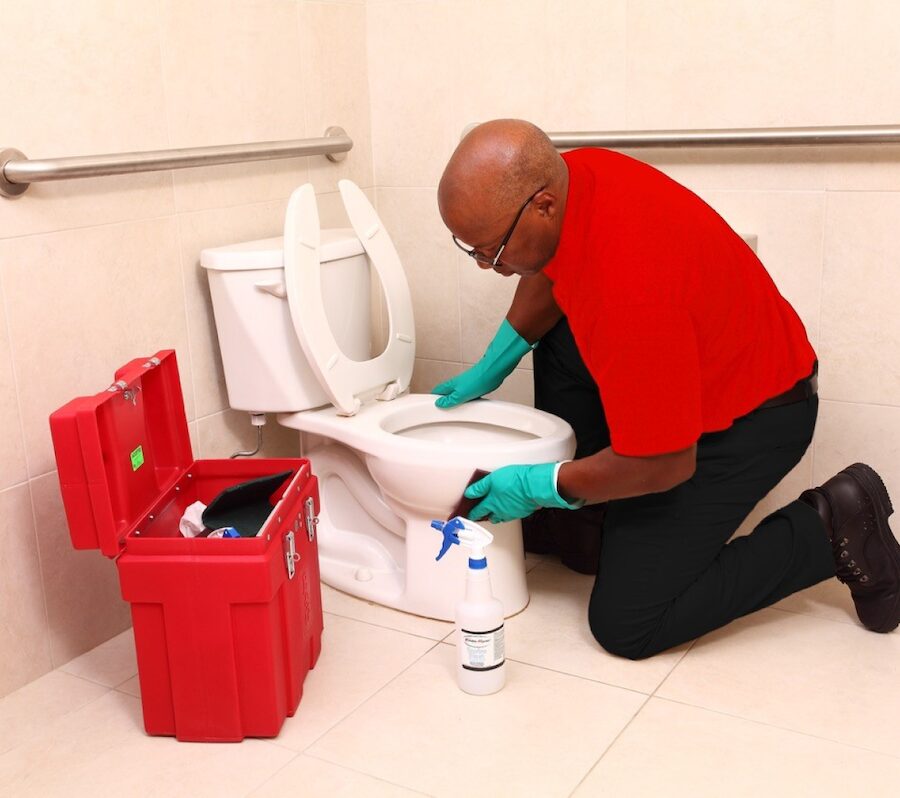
(119,450)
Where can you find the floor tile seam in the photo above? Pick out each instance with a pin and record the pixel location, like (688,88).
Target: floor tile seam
(29,738)
(366,700)
(816,617)
(609,747)
(576,676)
(124,682)
(369,775)
(274,773)
(88,679)
(777,726)
(672,670)
(382,626)
(777,609)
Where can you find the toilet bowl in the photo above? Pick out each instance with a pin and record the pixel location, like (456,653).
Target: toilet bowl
(293,321)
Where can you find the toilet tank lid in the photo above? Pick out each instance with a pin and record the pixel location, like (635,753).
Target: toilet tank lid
(268,253)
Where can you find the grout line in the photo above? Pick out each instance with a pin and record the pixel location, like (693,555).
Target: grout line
(61,669)
(576,676)
(822,242)
(611,744)
(680,660)
(631,719)
(849,622)
(275,772)
(780,728)
(163,216)
(4,308)
(863,404)
(369,698)
(187,317)
(382,626)
(368,775)
(23,741)
(37,547)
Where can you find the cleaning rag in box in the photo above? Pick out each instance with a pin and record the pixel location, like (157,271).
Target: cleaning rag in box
(245,506)
(191,523)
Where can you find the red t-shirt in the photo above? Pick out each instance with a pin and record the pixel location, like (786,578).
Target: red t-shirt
(676,318)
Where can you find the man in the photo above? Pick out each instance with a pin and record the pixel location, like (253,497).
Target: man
(688,379)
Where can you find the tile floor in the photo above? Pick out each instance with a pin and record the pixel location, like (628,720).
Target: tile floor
(795,700)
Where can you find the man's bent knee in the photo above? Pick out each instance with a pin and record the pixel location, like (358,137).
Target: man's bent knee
(621,640)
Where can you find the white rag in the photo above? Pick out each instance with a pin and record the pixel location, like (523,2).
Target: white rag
(191,523)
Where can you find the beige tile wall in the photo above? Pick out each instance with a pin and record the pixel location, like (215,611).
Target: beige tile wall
(403,77)
(96,272)
(825,217)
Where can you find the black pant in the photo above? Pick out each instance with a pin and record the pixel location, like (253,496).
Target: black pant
(667,572)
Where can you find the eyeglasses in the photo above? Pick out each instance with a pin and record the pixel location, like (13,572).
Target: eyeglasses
(480,257)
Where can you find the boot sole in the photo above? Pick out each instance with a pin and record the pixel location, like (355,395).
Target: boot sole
(874,486)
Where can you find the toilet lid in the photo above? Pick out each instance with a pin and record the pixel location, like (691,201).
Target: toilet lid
(347,382)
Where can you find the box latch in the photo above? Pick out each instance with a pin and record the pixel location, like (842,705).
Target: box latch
(291,556)
(310,516)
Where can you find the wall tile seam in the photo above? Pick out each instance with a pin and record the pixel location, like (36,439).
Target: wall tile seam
(12,366)
(165,95)
(720,190)
(158,217)
(187,322)
(818,190)
(861,404)
(298,15)
(368,73)
(160,38)
(37,547)
(25,481)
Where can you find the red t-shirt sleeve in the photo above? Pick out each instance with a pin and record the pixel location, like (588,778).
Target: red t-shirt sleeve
(644,360)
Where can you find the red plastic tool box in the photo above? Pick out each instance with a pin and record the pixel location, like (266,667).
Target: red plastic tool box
(225,629)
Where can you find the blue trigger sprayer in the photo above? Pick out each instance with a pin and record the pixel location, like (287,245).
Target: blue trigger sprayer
(481,662)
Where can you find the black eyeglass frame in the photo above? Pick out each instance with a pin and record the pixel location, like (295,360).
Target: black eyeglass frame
(492,262)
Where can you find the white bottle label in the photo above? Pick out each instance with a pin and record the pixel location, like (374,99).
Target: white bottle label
(482,651)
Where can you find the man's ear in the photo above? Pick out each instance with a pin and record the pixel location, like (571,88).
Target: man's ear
(546,203)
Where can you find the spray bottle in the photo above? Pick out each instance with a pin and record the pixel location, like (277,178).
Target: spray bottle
(479,616)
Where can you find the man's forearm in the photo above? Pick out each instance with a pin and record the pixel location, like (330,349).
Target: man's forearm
(607,475)
(533,311)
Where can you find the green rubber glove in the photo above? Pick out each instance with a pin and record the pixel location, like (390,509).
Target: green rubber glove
(515,491)
(498,361)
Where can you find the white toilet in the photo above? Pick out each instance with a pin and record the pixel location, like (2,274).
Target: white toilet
(293,319)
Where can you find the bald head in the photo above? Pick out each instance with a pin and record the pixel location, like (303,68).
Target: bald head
(497,165)
(494,169)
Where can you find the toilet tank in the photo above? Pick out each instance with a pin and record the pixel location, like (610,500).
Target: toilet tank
(265,368)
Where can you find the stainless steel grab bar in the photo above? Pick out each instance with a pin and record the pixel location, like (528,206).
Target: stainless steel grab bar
(17,172)
(732,137)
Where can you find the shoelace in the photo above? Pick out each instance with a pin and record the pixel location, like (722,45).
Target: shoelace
(848,572)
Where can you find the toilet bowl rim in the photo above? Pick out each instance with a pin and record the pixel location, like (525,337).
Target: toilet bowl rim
(366,431)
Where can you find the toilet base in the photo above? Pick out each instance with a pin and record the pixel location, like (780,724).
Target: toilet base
(371,552)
